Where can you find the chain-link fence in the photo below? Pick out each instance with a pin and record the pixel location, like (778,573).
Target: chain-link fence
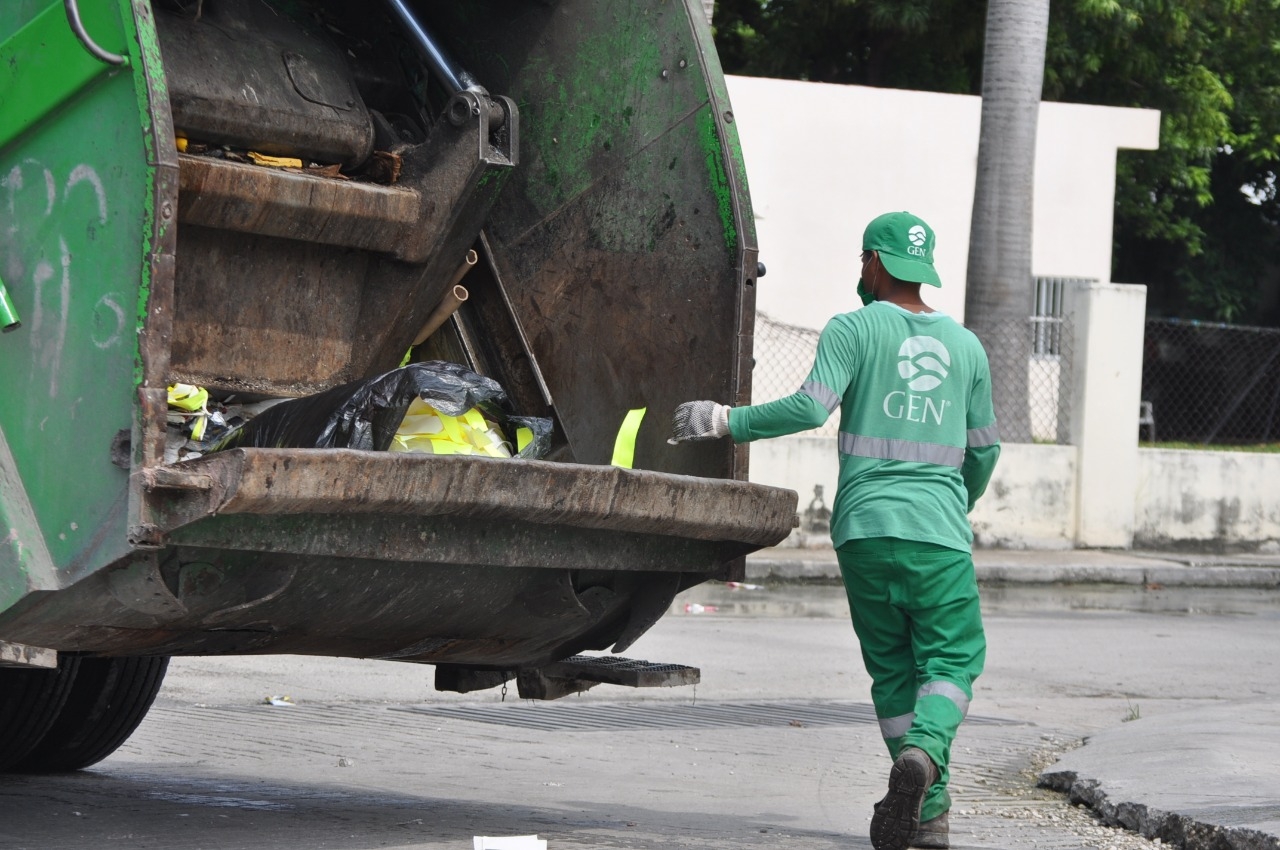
(1031,378)
(1210,383)
(784,355)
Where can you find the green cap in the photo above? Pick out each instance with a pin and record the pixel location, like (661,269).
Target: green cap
(905,244)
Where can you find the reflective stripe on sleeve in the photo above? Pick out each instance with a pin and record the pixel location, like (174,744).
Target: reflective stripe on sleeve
(948,690)
(880,448)
(896,727)
(823,395)
(988,436)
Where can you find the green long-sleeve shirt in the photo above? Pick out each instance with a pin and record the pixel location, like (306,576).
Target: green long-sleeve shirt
(918,439)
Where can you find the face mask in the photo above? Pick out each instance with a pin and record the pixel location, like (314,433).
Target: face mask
(864,290)
(864,293)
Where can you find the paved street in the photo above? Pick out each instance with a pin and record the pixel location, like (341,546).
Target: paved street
(776,748)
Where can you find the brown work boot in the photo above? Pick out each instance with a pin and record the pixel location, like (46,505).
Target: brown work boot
(933,834)
(897,816)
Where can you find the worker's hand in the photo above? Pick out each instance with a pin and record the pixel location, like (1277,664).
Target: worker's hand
(699,420)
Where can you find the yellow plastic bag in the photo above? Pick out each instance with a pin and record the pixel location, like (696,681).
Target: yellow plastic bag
(428,431)
(193,403)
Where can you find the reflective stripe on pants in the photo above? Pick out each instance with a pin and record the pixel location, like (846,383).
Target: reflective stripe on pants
(915,611)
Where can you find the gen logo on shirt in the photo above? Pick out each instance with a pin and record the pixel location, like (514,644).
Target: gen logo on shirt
(923,363)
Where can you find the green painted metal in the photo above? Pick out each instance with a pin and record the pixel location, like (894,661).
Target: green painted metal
(46,49)
(76,192)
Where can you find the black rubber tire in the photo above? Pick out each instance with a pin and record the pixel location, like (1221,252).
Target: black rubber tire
(108,700)
(30,701)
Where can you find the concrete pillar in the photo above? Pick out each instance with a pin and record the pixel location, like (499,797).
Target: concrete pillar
(1107,322)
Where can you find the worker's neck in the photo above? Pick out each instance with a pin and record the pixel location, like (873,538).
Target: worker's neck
(907,297)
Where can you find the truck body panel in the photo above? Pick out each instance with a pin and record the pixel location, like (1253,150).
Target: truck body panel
(593,170)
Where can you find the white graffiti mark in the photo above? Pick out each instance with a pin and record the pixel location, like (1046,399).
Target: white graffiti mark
(49,351)
(50,313)
(107,303)
(13,183)
(43,274)
(85,174)
(64,315)
(50,185)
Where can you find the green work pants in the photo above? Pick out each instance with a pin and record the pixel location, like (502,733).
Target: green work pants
(915,611)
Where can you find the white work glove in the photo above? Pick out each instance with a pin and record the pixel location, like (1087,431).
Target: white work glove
(699,420)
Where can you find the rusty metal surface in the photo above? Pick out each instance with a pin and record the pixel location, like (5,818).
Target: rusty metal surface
(242,74)
(191,600)
(625,238)
(315,481)
(460,540)
(295,205)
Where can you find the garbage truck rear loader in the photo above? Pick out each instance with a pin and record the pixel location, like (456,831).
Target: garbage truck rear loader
(268,199)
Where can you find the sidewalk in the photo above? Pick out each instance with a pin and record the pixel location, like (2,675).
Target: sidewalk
(1202,779)
(1065,566)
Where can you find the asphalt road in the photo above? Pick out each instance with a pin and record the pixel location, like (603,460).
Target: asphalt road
(775,748)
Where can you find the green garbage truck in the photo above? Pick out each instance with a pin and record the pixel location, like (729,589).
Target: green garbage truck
(281,202)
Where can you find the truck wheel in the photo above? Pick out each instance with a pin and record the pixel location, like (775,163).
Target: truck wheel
(29,704)
(108,700)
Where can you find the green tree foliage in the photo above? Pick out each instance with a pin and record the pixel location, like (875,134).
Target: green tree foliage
(1198,220)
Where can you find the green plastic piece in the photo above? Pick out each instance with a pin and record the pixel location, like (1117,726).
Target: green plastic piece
(9,320)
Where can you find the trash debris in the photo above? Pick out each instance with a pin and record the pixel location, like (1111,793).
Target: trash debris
(516,842)
(738,585)
(274,161)
(343,761)
(697,608)
(278,700)
(196,422)
(368,415)
(383,167)
(624,447)
(333,171)
(425,429)
(189,410)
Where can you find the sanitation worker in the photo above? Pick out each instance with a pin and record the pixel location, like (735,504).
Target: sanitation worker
(917,446)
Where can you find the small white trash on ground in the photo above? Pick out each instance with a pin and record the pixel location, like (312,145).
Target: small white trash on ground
(515,842)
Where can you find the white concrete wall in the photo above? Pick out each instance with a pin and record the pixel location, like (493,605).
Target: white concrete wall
(1192,499)
(1029,504)
(822,160)
(1031,500)
(1207,499)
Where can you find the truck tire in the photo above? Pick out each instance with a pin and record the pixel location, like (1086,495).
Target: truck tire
(30,701)
(108,700)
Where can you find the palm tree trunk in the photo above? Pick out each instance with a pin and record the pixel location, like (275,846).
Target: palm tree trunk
(999,295)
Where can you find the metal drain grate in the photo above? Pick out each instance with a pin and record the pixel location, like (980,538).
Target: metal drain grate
(600,717)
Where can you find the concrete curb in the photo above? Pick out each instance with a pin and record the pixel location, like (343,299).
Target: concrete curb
(1202,778)
(1170,828)
(1039,568)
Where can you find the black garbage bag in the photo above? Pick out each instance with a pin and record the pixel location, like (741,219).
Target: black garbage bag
(365,414)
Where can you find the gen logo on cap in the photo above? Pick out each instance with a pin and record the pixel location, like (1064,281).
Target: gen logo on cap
(905,245)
